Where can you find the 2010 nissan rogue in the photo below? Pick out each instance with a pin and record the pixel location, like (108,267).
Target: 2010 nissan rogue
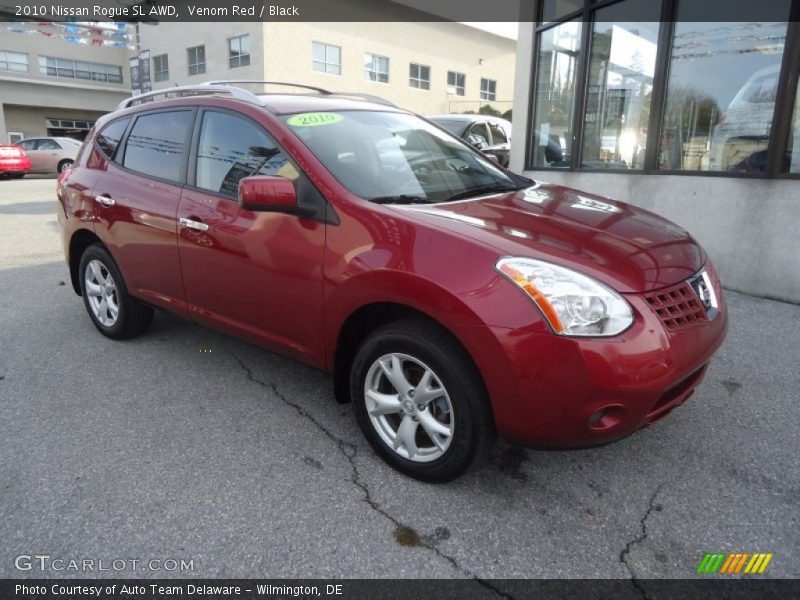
(451,299)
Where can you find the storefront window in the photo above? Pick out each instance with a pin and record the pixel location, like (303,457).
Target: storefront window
(619,89)
(721,95)
(555,94)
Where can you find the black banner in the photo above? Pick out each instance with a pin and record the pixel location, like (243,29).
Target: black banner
(398,589)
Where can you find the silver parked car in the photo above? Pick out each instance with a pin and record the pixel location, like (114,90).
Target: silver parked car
(50,154)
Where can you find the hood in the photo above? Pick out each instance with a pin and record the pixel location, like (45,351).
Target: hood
(629,248)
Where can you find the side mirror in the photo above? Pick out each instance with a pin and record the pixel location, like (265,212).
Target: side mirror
(270,194)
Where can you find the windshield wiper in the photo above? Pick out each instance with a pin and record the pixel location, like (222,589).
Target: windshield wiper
(400,199)
(481,189)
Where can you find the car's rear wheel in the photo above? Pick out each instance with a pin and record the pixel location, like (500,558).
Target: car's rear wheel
(64,165)
(112,309)
(420,401)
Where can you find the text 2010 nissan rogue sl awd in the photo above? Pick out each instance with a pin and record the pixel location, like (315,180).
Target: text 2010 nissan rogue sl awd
(451,299)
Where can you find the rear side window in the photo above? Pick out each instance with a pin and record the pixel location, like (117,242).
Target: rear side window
(48,145)
(108,139)
(157,144)
(231,148)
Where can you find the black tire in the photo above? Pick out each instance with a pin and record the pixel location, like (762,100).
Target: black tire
(63,165)
(18,175)
(473,434)
(133,317)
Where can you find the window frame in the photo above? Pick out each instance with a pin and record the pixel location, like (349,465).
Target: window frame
(455,86)
(238,57)
(8,62)
(189,64)
(165,71)
(419,78)
(782,115)
(106,70)
(325,62)
(491,83)
(370,69)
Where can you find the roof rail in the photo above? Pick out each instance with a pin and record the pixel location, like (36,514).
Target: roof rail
(195,90)
(368,97)
(231,82)
(319,90)
(231,88)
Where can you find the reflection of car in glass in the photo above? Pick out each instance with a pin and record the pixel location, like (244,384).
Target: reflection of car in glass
(13,162)
(451,299)
(744,127)
(491,135)
(50,154)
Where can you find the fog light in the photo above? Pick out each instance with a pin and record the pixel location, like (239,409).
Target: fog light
(607,417)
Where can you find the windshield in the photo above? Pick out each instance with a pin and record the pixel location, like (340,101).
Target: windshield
(396,157)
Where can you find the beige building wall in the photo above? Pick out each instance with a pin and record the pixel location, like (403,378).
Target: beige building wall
(441,46)
(173,39)
(28,99)
(282,52)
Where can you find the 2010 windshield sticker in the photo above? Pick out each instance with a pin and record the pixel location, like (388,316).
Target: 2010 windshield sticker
(313,119)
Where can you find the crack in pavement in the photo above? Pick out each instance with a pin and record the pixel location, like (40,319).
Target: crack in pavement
(638,540)
(350,451)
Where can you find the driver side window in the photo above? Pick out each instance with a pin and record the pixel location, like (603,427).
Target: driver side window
(479,135)
(232,148)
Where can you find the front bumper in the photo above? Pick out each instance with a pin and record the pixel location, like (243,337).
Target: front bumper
(554,391)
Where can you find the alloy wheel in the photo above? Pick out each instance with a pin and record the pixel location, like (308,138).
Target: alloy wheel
(409,407)
(101,291)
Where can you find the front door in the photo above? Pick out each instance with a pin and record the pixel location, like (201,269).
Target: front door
(255,274)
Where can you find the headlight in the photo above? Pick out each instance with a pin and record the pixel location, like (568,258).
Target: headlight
(572,303)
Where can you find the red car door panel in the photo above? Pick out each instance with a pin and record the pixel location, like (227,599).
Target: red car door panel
(140,231)
(258,274)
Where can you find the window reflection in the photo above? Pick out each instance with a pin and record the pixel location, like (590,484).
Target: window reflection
(721,96)
(555,94)
(619,90)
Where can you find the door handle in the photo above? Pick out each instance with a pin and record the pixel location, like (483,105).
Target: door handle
(105,200)
(191,224)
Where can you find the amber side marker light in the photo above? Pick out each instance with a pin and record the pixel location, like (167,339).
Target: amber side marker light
(530,289)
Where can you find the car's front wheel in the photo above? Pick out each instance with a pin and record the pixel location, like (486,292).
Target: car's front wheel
(64,165)
(113,310)
(420,401)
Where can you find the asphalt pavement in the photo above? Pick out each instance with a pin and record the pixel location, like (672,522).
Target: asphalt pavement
(186,444)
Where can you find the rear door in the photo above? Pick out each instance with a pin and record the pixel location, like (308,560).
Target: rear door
(48,153)
(137,204)
(255,274)
(33,154)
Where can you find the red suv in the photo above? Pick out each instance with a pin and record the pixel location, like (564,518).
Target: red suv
(451,299)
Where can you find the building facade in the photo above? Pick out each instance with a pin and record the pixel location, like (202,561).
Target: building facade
(427,67)
(649,102)
(49,86)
